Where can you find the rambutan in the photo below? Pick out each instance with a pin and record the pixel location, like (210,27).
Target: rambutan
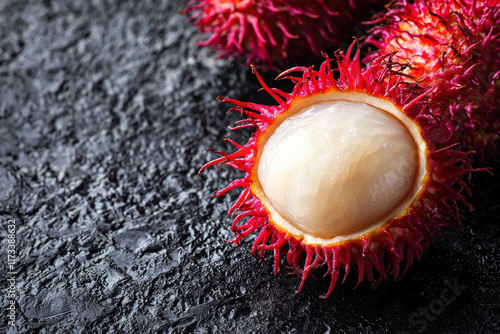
(275,32)
(452,46)
(344,172)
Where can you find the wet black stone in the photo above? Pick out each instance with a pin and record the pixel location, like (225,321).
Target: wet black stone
(106,110)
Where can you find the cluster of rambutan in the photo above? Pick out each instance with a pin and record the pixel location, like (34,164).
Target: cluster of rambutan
(359,166)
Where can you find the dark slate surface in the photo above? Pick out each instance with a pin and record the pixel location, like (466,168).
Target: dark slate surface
(106,110)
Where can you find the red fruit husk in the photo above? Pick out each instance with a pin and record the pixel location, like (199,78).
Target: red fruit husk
(454,47)
(388,250)
(272,33)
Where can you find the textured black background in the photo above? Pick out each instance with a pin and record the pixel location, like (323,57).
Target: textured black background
(106,110)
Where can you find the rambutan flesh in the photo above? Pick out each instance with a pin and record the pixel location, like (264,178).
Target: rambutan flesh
(344,172)
(272,33)
(453,46)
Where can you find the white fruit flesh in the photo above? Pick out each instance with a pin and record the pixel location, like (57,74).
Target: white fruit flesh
(336,168)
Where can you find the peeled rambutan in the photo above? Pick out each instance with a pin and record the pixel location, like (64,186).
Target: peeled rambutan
(452,46)
(345,172)
(273,32)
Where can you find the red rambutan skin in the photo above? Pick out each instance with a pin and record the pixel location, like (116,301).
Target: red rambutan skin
(386,251)
(453,46)
(271,33)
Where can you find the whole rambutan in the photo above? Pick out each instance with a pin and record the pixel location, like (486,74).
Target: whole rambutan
(452,46)
(276,32)
(345,172)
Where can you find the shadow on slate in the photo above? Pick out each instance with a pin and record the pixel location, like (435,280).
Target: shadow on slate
(106,110)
